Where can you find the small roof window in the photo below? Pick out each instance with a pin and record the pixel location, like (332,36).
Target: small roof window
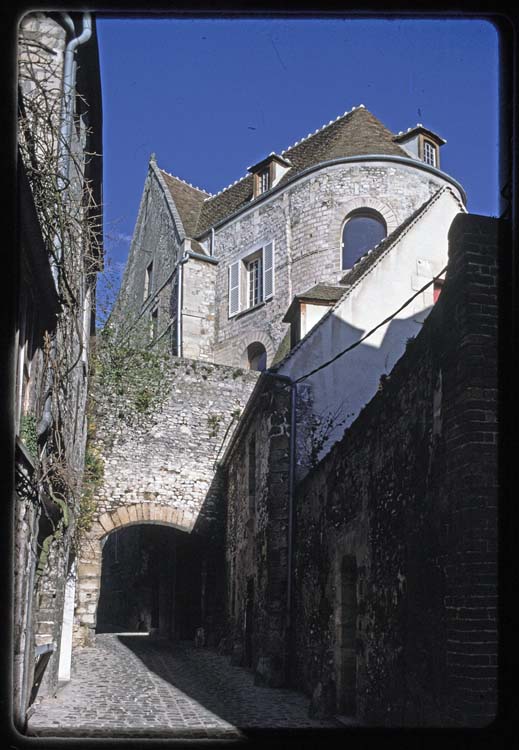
(268,172)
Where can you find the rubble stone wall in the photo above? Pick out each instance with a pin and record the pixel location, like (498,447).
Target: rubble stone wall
(305,221)
(396,529)
(163,469)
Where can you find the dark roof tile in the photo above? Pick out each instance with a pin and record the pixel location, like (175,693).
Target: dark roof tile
(354,134)
(188,200)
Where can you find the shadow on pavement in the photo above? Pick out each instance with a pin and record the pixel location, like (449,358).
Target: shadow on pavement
(227,691)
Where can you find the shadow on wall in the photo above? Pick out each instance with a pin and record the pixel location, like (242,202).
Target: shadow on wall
(341,390)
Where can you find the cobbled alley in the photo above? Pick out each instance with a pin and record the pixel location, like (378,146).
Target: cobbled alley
(132,685)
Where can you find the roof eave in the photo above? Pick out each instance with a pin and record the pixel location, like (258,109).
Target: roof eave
(329,163)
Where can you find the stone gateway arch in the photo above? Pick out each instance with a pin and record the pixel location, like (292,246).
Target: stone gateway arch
(162,471)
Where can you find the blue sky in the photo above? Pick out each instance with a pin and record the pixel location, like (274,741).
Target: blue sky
(212,97)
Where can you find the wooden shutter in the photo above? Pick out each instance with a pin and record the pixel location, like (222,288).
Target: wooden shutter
(234,288)
(268,270)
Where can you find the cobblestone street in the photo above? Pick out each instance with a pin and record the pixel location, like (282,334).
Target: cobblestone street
(132,685)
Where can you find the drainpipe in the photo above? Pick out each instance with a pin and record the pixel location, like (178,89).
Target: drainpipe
(211,247)
(291,517)
(67,112)
(180,301)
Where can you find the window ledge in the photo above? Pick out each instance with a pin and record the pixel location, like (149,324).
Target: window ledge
(252,309)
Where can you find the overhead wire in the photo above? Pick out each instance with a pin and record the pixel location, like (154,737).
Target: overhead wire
(367,335)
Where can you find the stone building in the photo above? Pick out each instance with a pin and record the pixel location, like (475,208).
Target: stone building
(216,274)
(371,584)
(59,244)
(285,302)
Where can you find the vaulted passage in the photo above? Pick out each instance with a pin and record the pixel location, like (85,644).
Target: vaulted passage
(152,579)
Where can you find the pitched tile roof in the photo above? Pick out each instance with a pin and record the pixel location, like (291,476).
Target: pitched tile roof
(318,293)
(324,292)
(365,263)
(356,133)
(188,200)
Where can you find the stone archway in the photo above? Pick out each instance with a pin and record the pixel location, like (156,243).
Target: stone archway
(90,563)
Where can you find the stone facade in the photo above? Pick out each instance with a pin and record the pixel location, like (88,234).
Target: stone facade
(163,468)
(393,615)
(195,241)
(59,142)
(305,222)
(256,537)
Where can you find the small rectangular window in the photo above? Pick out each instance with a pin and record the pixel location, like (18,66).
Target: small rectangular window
(148,281)
(264,180)
(251,280)
(154,324)
(429,153)
(255,281)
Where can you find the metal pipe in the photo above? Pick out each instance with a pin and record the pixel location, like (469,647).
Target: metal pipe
(180,301)
(69,83)
(69,86)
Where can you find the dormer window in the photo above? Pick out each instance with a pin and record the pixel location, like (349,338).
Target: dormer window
(267,173)
(422,144)
(429,153)
(264,181)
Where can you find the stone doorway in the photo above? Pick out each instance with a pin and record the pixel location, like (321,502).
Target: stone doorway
(249,624)
(151,581)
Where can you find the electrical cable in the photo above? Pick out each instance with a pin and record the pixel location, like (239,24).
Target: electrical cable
(389,318)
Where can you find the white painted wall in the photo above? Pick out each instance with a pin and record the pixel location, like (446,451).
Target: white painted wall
(310,315)
(65,653)
(351,381)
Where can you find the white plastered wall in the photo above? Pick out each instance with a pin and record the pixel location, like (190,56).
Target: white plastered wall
(348,384)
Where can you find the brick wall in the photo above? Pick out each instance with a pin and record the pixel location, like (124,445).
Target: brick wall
(396,529)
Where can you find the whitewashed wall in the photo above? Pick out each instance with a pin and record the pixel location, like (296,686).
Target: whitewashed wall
(350,382)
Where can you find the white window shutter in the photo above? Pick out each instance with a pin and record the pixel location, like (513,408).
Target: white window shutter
(268,270)
(234,288)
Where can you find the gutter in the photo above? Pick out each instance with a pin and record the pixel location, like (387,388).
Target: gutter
(408,161)
(180,303)
(69,80)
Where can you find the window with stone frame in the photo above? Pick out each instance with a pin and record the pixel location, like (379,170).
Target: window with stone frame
(363,229)
(251,279)
(148,280)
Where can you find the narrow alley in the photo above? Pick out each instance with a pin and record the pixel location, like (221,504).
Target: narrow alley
(131,685)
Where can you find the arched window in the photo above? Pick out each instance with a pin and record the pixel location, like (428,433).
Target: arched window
(362,230)
(257,356)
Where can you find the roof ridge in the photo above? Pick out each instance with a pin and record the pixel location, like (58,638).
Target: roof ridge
(326,125)
(416,214)
(240,179)
(339,117)
(185,182)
